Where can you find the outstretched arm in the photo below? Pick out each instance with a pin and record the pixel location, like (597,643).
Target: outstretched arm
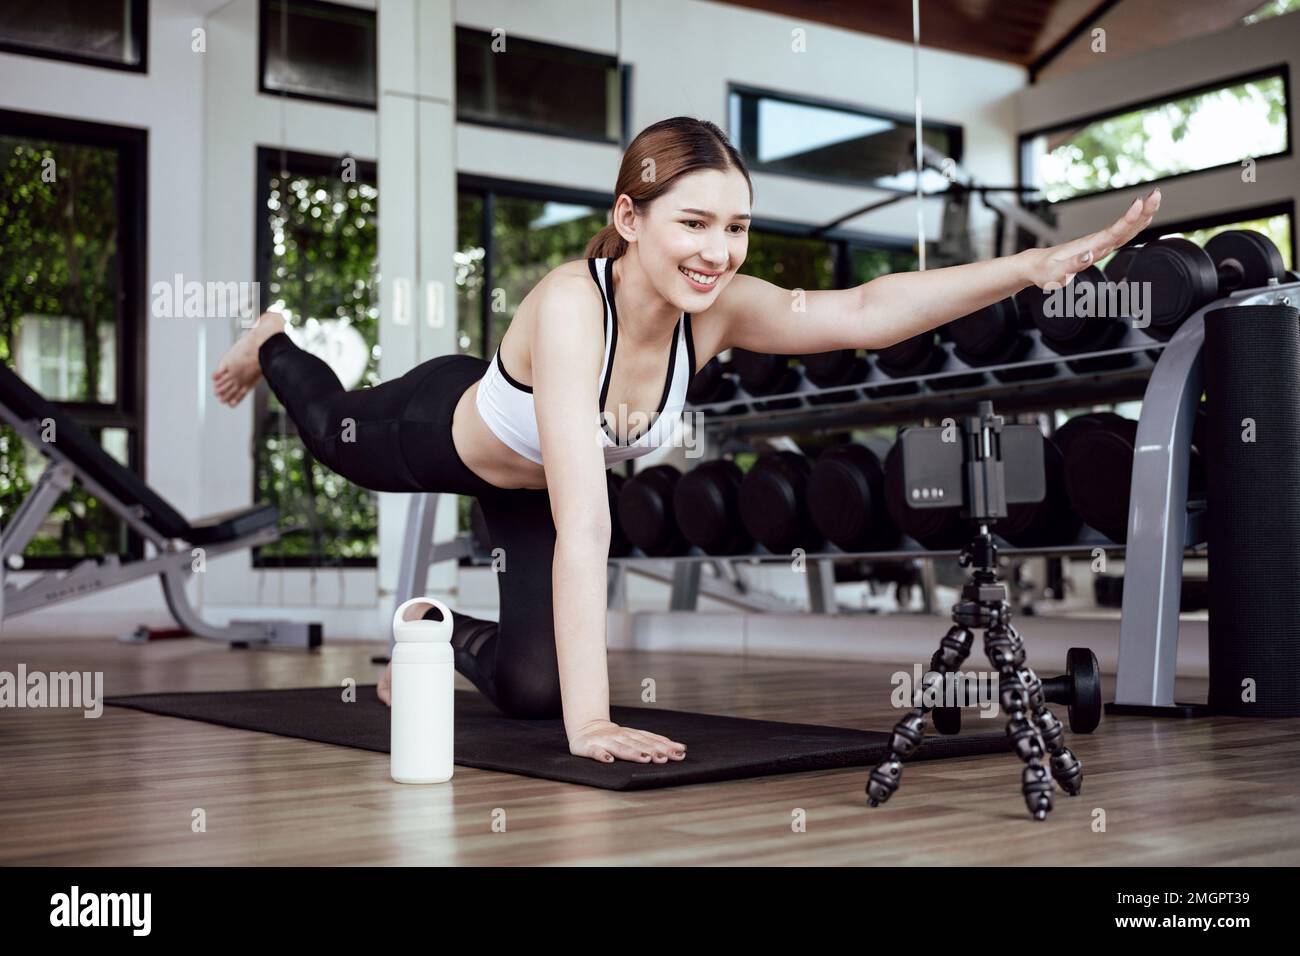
(760,316)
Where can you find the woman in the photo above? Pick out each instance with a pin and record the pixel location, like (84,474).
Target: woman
(531,432)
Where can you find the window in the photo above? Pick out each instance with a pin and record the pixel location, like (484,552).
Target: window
(1273,8)
(792,262)
(71,309)
(526,85)
(1277,222)
(1202,129)
(812,139)
(470,262)
(511,235)
(318,51)
(867,263)
(110,33)
(318,263)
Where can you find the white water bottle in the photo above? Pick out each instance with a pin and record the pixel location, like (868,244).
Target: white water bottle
(423,710)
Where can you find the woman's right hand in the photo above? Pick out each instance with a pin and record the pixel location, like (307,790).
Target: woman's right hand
(606,741)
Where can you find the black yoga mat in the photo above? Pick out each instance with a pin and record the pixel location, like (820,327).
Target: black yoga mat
(717,747)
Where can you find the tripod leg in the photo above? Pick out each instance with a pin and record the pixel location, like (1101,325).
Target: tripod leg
(908,732)
(1067,769)
(1006,652)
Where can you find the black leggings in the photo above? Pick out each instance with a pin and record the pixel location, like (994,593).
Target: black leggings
(396,436)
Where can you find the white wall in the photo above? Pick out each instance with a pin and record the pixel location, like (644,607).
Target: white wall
(205,119)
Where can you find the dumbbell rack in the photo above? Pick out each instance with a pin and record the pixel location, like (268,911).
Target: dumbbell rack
(1169,375)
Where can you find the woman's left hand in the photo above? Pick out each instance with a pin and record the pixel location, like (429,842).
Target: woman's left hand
(1055,266)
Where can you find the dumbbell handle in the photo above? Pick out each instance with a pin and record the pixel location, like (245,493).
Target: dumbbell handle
(1231,275)
(1056,690)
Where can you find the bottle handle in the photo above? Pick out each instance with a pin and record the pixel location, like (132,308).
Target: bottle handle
(399,616)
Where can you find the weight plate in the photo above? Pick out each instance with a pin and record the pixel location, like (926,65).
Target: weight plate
(1245,259)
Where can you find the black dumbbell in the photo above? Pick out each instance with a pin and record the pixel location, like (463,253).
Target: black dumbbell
(774,503)
(1079,689)
(645,512)
(1184,278)
(1245,259)
(1099,450)
(846,496)
(706,503)
(919,355)
(619,545)
(761,373)
(1117,268)
(1066,322)
(991,335)
(711,385)
(1047,522)
(833,369)
(1099,469)
(1181,278)
(938,529)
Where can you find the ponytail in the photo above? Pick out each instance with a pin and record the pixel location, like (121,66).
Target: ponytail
(606,244)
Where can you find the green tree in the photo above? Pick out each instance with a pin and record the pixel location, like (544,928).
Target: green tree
(58,263)
(323,233)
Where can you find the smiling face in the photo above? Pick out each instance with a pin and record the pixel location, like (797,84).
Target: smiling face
(694,237)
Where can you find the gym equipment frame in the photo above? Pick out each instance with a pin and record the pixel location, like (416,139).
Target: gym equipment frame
(75,457)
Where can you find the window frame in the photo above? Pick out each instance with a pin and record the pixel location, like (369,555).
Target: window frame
(489,189)
(263,16)
(130,409)
(955,131)
(573,54)
(1282,70)
(268,162)
(139,36)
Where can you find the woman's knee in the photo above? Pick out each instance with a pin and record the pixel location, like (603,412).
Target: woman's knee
(527,698)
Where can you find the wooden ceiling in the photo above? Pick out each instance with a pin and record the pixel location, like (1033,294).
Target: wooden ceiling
(1049,37)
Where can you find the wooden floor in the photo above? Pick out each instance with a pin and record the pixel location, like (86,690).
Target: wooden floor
(122,789)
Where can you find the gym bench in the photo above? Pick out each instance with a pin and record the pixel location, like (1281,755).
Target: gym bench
(75,456)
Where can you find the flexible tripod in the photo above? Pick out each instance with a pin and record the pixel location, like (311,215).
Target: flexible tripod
(1033,729)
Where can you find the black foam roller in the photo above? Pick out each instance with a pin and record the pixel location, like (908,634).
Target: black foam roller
(1252,371)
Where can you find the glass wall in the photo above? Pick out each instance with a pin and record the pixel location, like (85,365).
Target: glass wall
(318,263)
(71,294)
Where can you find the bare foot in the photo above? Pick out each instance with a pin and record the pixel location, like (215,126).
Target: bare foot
(238,370)
(386,686)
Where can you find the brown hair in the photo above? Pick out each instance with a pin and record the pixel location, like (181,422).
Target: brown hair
(670,149)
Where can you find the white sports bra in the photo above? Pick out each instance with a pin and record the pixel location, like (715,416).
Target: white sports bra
(508,410)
